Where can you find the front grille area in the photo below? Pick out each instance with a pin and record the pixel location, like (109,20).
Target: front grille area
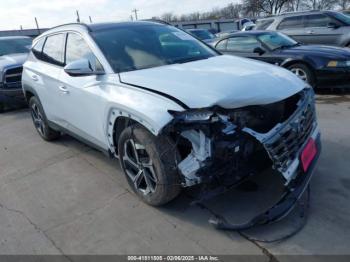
(285,146)
(12,77)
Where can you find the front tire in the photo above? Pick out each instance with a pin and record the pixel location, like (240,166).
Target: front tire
(40,120)
(149,164)
(303,72)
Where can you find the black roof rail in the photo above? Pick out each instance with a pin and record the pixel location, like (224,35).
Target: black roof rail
(82,24)
(157,21)
(299,12)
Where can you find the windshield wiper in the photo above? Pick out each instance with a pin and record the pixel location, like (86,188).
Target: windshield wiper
(283,46)
(187,59)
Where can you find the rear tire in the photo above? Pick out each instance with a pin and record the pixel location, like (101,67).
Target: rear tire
(40,121)
(149,164)
(303,72)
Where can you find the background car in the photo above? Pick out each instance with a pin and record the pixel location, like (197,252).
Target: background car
(320,66)
(312,27)
(13,53)
(203,35)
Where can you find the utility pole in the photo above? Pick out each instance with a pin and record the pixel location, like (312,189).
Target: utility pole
(21,27)
(37,25)
(78,17)
(131,18)
(135,11)
(90,19)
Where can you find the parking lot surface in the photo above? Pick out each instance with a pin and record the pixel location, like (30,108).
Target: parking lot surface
(66,198)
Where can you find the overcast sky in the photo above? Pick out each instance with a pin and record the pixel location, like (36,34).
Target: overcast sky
(14,13)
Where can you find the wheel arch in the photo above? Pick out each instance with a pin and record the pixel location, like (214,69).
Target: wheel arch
(119,119)
(289,62)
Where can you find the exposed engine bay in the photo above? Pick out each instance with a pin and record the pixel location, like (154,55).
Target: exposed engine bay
(221,147)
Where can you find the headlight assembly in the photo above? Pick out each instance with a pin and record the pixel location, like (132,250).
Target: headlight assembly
(190,116)
(336,64)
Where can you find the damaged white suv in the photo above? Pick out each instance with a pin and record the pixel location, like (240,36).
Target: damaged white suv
(173,110)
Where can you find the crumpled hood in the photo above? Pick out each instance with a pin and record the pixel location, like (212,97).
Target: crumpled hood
(226,81)
(13,59)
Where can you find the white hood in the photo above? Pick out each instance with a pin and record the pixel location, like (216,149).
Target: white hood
(226,81)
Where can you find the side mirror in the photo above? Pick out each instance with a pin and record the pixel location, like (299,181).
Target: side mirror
(333,25)
(259,50)
(81,67)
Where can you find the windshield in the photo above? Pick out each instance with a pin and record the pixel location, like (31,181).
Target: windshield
(13,46)
(343,18)
(138,47)
(202,34)
(276,40)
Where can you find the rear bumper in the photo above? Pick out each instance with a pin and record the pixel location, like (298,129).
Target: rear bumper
(11,95)
(333,78)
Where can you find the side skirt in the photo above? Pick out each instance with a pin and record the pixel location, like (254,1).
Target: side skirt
(58,128)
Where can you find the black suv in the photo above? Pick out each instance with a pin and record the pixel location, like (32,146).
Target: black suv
(312,27)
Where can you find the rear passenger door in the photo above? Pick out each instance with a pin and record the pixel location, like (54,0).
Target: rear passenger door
(294,27)
(45,74)
(318,30)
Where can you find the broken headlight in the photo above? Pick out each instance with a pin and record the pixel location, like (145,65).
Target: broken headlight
(192,115)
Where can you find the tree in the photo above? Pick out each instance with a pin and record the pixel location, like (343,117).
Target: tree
(321,4)
(344,4)
(272,7)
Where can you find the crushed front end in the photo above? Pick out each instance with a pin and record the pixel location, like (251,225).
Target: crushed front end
(220,148)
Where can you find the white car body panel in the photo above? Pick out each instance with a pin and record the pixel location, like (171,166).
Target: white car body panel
(226,81)
(91,102)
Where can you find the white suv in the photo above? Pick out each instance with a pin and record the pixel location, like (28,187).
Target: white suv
(173,110)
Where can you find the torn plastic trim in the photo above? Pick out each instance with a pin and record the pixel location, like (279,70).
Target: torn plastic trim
(285,204)
(201,150)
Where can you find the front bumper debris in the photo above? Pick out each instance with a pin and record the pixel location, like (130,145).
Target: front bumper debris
(286,203)
(227,147)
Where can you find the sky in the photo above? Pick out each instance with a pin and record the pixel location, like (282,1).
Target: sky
(16,13)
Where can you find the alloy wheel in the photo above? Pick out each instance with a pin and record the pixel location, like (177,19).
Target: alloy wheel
(139,167)
(300,73)
(38,119)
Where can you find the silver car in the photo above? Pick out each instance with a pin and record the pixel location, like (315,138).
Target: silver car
(312,27)
(173,110)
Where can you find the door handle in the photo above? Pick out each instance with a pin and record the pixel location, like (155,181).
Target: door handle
(64,89)
(310,32)
(35,78)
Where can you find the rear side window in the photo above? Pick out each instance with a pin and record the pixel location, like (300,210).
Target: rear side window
(38,48)
(291,23)
(53,49)
(221,45)
(264,24)
(319,20)
(244,44)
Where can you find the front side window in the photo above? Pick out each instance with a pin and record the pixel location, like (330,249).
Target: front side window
(319,20)
(244,44)
(291,23)
(77,49)
(15,46)
(53,49)
(129,48)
